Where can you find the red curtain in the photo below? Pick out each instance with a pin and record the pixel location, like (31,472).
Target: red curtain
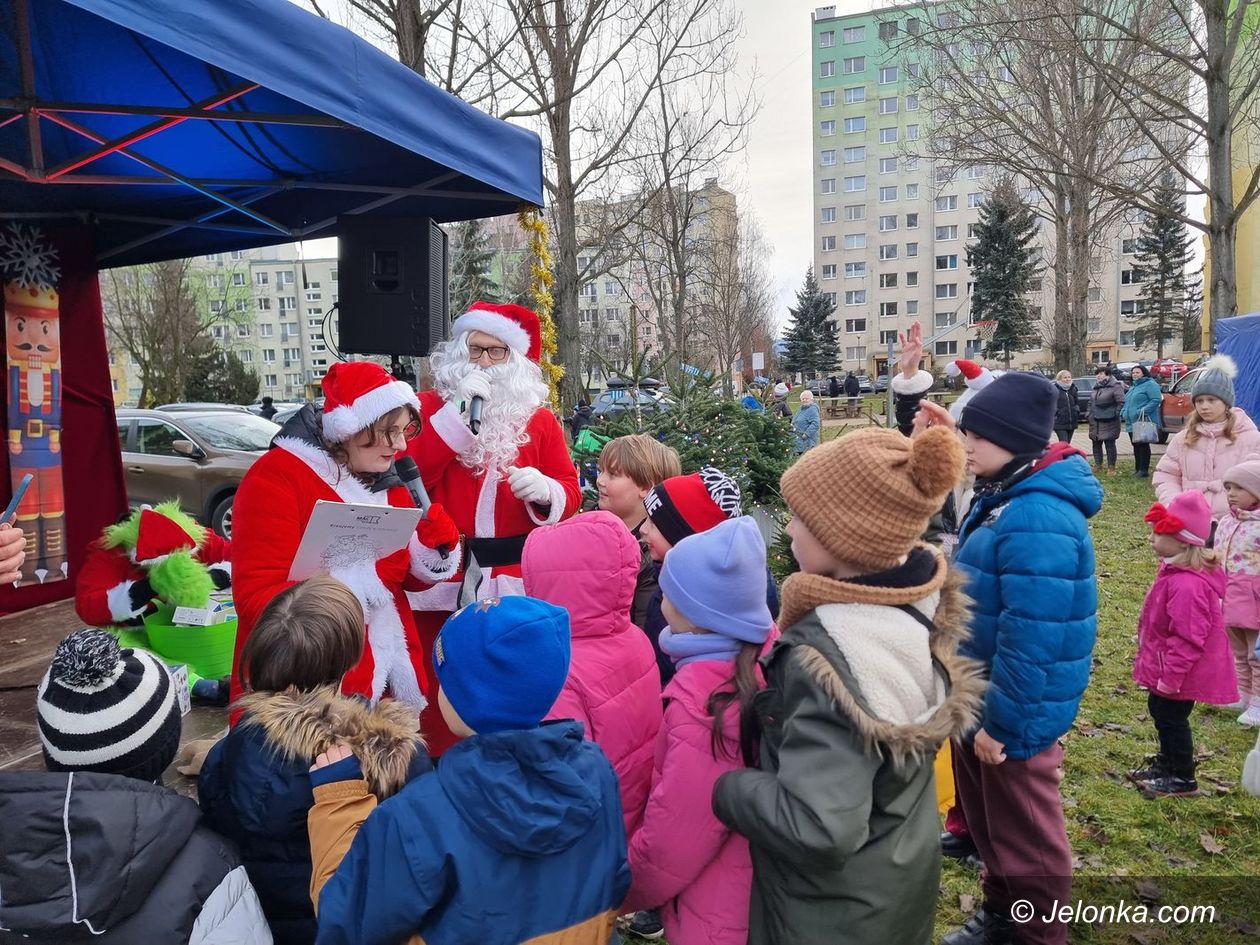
(95,493)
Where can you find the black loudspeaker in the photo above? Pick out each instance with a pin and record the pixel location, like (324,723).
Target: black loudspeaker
(391,293)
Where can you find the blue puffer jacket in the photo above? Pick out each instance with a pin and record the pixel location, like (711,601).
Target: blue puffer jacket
(1029,560)
(255,786)
(1143,401)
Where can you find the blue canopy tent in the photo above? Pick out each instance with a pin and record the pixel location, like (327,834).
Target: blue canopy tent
(162,129)
(1239,337)
(184,127)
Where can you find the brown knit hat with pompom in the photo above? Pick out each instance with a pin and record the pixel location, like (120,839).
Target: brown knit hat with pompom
(867,497)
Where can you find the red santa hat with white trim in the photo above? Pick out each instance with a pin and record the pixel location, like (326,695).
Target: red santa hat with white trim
(977,377)
(357,394)
(515,324)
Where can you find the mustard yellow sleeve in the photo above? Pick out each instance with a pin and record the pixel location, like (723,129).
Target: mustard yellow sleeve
(339,811)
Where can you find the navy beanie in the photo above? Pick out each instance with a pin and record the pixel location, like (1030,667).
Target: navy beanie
(503,661)
(1015,412)
(717,580)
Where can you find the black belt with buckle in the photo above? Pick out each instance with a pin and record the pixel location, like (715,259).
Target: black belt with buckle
(496,552)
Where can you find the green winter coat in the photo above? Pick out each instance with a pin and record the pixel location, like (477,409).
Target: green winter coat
(842,817)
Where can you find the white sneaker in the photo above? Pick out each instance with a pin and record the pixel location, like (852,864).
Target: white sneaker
(1239,706)
(1251,717)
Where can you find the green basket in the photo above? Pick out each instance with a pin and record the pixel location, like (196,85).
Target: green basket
(208,650)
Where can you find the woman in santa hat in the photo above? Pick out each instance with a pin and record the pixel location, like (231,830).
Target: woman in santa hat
(345,454)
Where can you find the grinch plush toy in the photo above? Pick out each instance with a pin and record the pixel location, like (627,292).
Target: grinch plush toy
(154,556)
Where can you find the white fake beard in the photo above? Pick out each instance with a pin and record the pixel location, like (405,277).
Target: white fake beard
(518,391)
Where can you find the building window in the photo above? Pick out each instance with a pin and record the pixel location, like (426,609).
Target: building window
(855,353)
(855,65)
(827,158)
(829,271)
(888,30)
(214,282)
(855,211)
(269,355)
(829,185)
(855,270)
(1129,247)
(947,262)
(853,96)
(854,155)
(912,191)
(313,296)
(855,297)
(946,348)
(912,103)
(946,319)
(1095,294)
(888,106)
(912,250)
(854,125)
(853,185)
(826,39)
(887,165)
(912,279)
(1128,339)
(827,128)
(269,380)
(827,69)
(828,244)
(854,326)
(333,275)
(284,278)
(912,132)
(1131,308)
(887,194)
(972,231)
(948,202)
(1130,276)
(266,330)
(827,99)
(887,309)
(887,74)
(855,34)
(831,298)
(855,241)
(1034,285)
(887,223)
(216,306)
(241,305)
(946,233)
(912,307)
(238,278)
(828,214)
(888,280)
(947,290)
(261,278)
(888,337)
(888,251)
(288,303)
(975,172)
(912,221)
(887,135)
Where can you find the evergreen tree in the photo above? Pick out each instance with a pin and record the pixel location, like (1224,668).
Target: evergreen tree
(219,377)
(1163,254)
(812,343)
(470,278)
(1003,264)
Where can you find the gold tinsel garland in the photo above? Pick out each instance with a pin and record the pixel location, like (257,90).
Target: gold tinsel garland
(532,222)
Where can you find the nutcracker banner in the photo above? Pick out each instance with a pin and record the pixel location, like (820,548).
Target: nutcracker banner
(58,405)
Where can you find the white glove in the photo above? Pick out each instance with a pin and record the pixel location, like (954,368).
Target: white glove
(529,485)
(475,384)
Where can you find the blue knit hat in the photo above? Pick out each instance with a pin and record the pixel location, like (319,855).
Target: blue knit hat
(717,580)
(1015,412)
(503,661)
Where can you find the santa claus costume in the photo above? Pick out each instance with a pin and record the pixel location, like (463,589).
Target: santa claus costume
(498,484)
(976,378)
(275,501)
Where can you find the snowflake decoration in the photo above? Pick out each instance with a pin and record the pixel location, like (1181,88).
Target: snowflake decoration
(26,259)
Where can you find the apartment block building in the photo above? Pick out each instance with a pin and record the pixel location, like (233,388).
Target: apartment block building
(891,229)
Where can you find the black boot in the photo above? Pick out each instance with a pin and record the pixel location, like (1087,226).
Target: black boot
(983,928)
(1171,785)
(1153,766)
(956,847)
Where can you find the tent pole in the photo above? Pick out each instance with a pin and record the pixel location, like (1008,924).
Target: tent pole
(34,140)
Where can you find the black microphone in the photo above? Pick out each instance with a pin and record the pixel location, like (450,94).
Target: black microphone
(409,473)
(474,415)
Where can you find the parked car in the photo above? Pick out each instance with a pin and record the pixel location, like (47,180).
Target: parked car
(284,416)
(1177,405)
(881,384)
(617,400)
(817,387)
(196,456)
(864,384)
(256,408)
(1168,370)
(181,407)
(1084,390)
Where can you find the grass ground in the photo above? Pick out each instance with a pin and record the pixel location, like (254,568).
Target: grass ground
(1178,847)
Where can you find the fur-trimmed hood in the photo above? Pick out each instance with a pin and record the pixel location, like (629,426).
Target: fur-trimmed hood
(855,646)
(300,725)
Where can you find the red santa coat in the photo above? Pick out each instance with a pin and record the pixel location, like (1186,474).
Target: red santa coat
(273,504)
(102,594)
(483,505)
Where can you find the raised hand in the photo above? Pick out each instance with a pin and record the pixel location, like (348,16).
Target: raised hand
(911,350)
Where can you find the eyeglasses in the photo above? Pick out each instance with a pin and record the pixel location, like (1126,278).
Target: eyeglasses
(497,353)
(409,432)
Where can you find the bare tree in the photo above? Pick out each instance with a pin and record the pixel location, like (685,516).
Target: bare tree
(1211,51)
(1007,88)
(736,295)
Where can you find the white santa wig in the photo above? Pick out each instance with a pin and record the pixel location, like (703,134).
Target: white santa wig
(519,390)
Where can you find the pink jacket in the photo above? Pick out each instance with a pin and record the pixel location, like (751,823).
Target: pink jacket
(1203,465)
(1181,637)
(684,859)
(589,565)
(1238,540)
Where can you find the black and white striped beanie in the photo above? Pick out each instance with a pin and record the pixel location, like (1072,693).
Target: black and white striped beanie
(102,708)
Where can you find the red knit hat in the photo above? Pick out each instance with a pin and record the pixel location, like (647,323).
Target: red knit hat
(686,505)
(515,324)
(357,394)
(159,536)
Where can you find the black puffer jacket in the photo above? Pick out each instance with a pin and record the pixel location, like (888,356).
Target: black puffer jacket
(116,861)
(1067,412)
